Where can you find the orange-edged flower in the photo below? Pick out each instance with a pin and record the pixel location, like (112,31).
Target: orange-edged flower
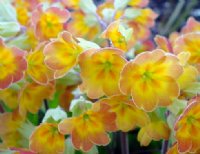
(61,54)
(83,25)
(46,139)
(189,43)
(151,79)
(32,96)
(12,65)
(37,70)
(115,36)
(128,116)
(138,3)
(90,128)
(154,130)
(192,25)
(187,128)
(174,150)
(10,97)
(50,22)
(102,77)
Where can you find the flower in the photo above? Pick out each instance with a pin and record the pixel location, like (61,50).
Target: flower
(95,122)
(103,76)
(37,70)
(189,43)
(12,65)
(46,139)
(50,22)
(32,96)
(61,54)
(128,116)
(151,79)
(187,128)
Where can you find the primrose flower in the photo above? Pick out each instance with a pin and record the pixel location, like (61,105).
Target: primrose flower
(10,97)
(192,25)
(83,25)
(189,43)
(90,127)
(128,116)
(102,77)
(49,23)
(151,79)
(61,54)
(115,36)
(32,96)
(156,130)
(47,134)
(37,70)
(12,65)
(187,128)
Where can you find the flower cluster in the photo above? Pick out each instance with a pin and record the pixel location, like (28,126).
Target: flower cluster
(72,75)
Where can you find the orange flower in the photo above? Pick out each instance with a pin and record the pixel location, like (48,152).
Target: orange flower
(38,71)
(12,65)
(151,79)
(46,139)
(49,23)
(90,127)
(103,76)
(163,43)
(128,116)
(61,54)
(32,96)
(71,4)
(187,128)
(189,43)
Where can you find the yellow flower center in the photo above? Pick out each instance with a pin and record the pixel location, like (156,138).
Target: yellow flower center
(191,119)
(86,116)
(107,65)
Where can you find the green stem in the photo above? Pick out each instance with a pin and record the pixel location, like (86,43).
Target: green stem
(124,143)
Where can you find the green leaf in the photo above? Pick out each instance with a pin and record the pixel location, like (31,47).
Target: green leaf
(194,88)
(131,13)
(54,115)
(7,12)
(87,44)
(177,106)
(120,4)
(88,6)
(9,28)
(79,106)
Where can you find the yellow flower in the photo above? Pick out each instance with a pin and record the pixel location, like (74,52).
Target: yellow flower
(12,65)
(128,116)
(50,22)
(102,77)
(151,79)
(61,54)
(90,127)
(38,71)
(187,128)
(46,139)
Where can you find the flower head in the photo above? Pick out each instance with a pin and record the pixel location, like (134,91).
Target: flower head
(12,65)
(102,77)
(151,79)
(90,127)
(50,22)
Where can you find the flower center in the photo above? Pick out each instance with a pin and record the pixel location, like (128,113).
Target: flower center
(191,119)
(147,75)
(86,117)
(107,65)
